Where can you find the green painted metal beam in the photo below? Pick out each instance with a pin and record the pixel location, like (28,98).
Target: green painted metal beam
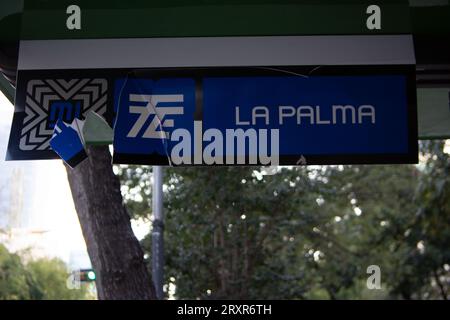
(215,20)
(44,19)
(7,89)
(433,106)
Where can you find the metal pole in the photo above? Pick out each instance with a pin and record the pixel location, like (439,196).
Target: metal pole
(158,232)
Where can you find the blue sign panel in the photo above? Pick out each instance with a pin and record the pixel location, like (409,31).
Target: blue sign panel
(318,115)
(265,120)
(46,98)
(148,111)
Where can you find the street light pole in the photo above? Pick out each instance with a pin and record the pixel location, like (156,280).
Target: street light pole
(158,232)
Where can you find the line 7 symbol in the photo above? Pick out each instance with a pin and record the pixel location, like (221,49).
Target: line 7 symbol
(152,109)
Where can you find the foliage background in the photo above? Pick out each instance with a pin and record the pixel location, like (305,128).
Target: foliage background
(41,279)
(304,233)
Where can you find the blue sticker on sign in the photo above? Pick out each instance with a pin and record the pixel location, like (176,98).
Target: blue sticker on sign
(67,143)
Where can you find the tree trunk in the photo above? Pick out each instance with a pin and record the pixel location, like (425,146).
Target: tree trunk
(115,253)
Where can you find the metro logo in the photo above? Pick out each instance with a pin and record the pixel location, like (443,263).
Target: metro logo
(64,110)
(49,100)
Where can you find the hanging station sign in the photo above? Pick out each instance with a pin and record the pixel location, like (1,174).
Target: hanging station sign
(207,93)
